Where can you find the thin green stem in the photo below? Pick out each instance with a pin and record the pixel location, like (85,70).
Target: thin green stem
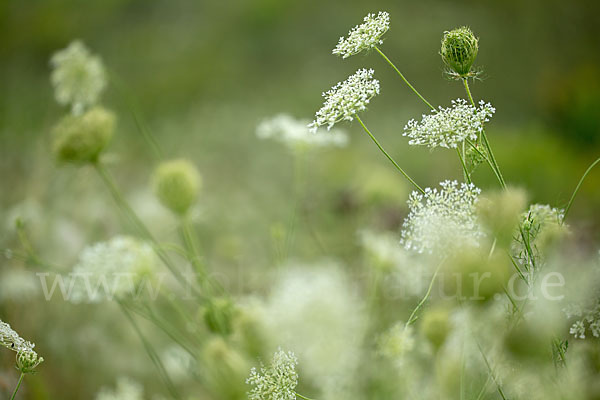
(568,207)
(302,397)
(18,386)
(403,78)
(494,163)
(464,166)
(152,354)
(413,316)
(388,156)
(487,159)
(140,226)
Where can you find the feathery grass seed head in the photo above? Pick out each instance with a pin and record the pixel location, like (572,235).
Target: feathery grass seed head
(82,138)
(459,50)
(176,184)
(346,99)
(78,77)
(364,36)
(448,127)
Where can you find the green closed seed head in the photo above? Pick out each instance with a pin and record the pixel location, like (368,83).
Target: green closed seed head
(82,138)
(435,326)
(176,184)
(459,50)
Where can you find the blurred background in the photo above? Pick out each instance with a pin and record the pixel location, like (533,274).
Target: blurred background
(201,75)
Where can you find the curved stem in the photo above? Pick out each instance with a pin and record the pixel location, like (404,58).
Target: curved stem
(151,353)
(464,166)
(403,78)
(18,386)
(568,207)
(140,226)
(413,316)
(388,156)
(302,397)
(493,163)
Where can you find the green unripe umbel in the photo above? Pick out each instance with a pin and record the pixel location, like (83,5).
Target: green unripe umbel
(435,326)
(459,50)
(81,138)
(176,184)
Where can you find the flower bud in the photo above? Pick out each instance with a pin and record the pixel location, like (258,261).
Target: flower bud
(435,326)
(27,360)
(176,184)
(459,50)
(81,138)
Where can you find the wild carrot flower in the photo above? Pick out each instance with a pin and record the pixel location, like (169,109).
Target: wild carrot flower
(295,134)
(278,381)
(113,269)
(364,36)
(346,99)
(78,77)
(448,127)
(442,219)
(27,358)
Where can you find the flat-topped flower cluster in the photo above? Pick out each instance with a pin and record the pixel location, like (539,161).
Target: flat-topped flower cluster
(346,98)
(447,127)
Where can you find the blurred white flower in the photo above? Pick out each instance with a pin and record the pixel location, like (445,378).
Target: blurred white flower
(314,312)
(364,36)
(346,99)
(397,342)
(112,269)
(406,274)
(295,134)
(278,381)
(78,77)
(448,127)
(126,389)
(442,219)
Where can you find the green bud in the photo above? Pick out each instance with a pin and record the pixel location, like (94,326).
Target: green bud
(176,184)
(435,326)
(27,360)
(81,138)
(459,50)
(218,315)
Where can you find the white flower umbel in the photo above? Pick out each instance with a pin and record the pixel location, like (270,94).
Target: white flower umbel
(27,358)
(346,99)
(448,127)
(442,219)
(78,77)
(278,381)
(113,269)
(295,134)
(364,36)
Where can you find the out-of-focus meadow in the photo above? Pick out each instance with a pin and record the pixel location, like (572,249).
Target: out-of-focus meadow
(200,76)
